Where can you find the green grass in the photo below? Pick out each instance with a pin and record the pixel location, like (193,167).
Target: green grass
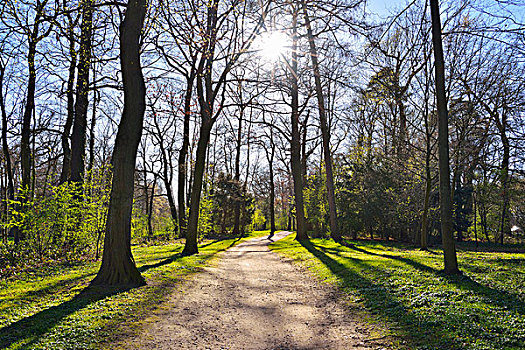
(424,309)
(52,309)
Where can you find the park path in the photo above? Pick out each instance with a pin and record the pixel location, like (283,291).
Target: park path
(253,299)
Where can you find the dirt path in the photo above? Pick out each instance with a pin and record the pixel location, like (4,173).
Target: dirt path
(253,300)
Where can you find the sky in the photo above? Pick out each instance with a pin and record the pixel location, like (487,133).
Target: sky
(382,7)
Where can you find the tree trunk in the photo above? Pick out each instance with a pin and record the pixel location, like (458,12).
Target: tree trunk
(428,153)
(183,154)
(447,234)
(118,266)
(66,165)
(272,191)
(78,137)
(330,189)
(25,147)
(428,188)
(206,96)
(91,147)
(200,162)
(150,209)
(237,209)
(504,176)
(297,171)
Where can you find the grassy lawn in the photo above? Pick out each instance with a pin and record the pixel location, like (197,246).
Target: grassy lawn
(403,287)
(51,309)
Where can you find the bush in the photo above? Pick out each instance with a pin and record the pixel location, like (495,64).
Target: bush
(67,223)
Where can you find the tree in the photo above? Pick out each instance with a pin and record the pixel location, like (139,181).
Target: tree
(118,266)
(330,189)
(78,137)
(297,168)
(207,94)
(449,247)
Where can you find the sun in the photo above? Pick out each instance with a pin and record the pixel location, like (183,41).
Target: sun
(273,45)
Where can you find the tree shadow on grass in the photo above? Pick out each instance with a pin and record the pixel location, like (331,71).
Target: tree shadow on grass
(497,297)
(28,330)
(33,294)
(380,301)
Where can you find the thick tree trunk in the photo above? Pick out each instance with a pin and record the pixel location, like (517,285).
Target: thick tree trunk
(78,137)
(449,246)
(66,165)
(330,189)
(118,266)
(297,171)
(25,146)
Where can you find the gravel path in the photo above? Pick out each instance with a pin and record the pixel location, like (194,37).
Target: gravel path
(253,300)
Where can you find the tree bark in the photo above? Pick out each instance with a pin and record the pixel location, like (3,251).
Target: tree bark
(272,188)
(25,147)
(297,171)
(504,176)
(200,162)
(78,137)
(183,154)
(118,266)
(449,246)
(66,165)
(330,189)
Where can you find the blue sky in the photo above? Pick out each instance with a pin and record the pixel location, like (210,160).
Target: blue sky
(382,7)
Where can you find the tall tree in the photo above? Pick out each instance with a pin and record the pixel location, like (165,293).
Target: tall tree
(297,171)
(330,189)
(118,266)
(70,94)
(207,92)
(447,227)
(78,137)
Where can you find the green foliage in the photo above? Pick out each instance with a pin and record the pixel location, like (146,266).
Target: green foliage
(227,194)
(64,224)
(316,203)
(425,309)
(205,214)
(259,220)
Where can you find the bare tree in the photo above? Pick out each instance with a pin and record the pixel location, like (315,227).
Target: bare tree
(447,228)
(118,266)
